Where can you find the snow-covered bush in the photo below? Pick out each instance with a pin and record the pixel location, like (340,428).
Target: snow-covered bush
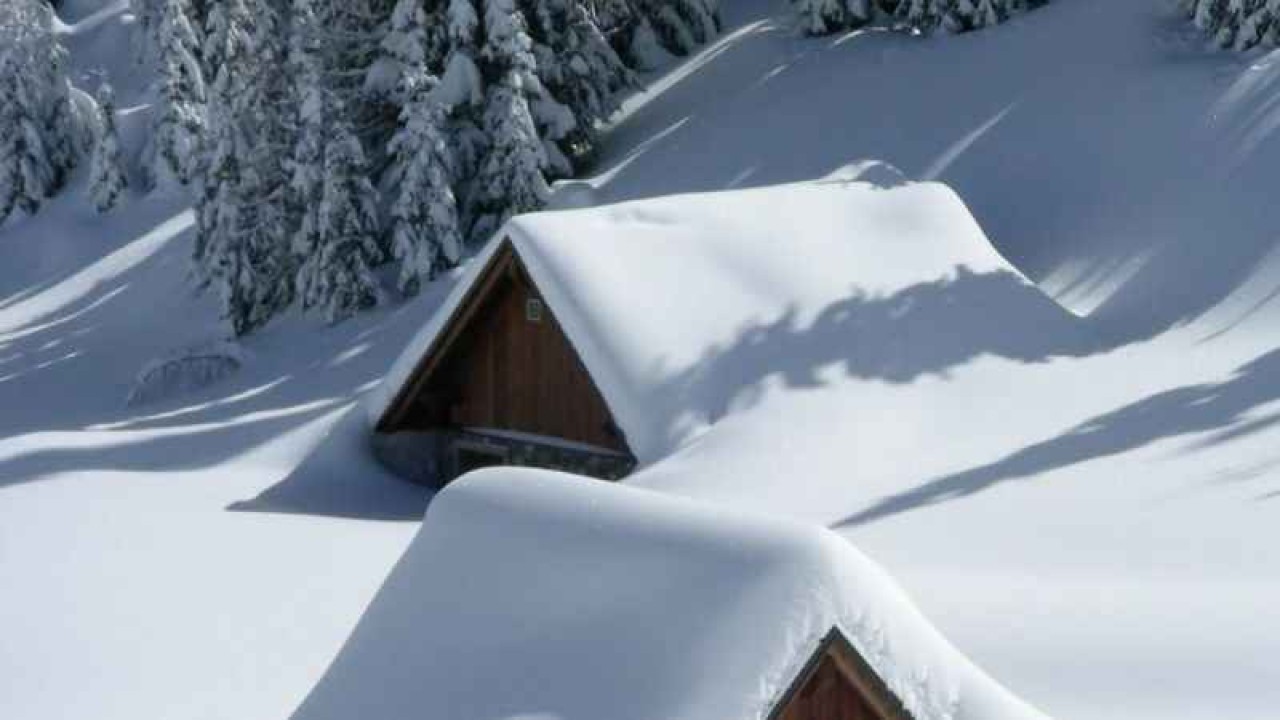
(185,371)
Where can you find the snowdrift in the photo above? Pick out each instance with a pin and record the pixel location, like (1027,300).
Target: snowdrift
(535,594)
(676,304)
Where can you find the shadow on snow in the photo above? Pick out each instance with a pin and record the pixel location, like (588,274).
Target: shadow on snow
(1219,409)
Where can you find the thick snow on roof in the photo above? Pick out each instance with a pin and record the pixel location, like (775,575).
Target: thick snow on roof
(672,302)
(535,594)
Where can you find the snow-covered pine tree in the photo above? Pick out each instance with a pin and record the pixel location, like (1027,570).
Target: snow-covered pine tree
(988,13)
(336,276)
(1261,27)
(40,133)
(226,44)
(107,181)
(241,248)
(1208,15)
(269,120)
(25,174)
(820,17)
(817,17)
(67,135)
(306,165)
(509,180)
(224,261)
(352,32)
(679,25)
(1238,24)
(179,119)
(418,38)
(576,65)
(922,14)
(510,177)
(425,236)
(460,91)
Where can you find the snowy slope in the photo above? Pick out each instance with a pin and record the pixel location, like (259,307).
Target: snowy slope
(1098,143)
(1095,532)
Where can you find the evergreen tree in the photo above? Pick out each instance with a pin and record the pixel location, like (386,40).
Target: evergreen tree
(576,65)
(336,274)
(425,236)
(417,39)
(820,17)
(179,119)
(461,92)
(352,32)
(509,179)
(1261,26)
(25,171)
(922,14)
(987,14)
(41,136)
(106,178)
(1209,15)
(306,167)
(1238,24)
(241,247)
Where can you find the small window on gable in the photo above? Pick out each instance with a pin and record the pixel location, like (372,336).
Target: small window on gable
(533,310)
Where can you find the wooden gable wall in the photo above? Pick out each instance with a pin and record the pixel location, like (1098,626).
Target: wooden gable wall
(838,684)
(498,368)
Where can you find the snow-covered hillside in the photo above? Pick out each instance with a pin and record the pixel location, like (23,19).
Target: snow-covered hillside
(1095,531)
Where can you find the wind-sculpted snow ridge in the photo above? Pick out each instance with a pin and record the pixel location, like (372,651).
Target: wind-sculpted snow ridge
(530,593)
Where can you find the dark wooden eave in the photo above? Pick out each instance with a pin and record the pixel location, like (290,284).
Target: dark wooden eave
(854,668)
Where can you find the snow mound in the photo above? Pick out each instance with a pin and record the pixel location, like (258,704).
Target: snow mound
(675,304)
(535,594)
(185,371)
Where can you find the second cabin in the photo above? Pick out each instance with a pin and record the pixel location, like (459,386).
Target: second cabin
(501,384)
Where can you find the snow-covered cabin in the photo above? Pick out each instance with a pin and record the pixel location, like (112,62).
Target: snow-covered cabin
(527,594)
(593,339)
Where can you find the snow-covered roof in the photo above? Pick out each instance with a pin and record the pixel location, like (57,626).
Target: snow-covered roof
(533,594)
(648,290)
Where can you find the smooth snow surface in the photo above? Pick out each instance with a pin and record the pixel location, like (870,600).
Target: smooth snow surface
(535,594)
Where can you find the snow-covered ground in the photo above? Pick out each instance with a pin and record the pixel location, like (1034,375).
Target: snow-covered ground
(1097,532)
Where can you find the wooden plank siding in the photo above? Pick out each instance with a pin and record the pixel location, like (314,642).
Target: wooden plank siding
(828,695)
(495,368)
(838,684)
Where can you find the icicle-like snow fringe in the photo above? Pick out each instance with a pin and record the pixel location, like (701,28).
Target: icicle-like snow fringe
(185,371)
